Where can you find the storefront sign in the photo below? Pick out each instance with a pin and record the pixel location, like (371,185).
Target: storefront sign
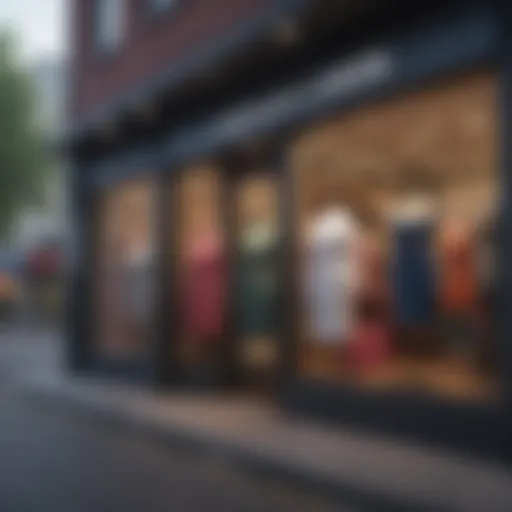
(260,113)
(367,70)
(343,79)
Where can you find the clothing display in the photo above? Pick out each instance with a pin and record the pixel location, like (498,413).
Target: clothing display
(418,173)
(331,274)
(458,286)
(412,265)
(257,280)
(204,286)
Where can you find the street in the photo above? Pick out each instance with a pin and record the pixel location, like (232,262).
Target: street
(53,461)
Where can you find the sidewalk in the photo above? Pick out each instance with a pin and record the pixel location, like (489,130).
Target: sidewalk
(366,472)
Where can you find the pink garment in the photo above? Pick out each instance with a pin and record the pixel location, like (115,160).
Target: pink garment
(370,347)
(204,287)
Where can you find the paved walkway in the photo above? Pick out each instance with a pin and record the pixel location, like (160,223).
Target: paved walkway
(60,463)
(367,472)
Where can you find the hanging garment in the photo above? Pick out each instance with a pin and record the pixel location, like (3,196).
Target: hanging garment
(257,280)
(412,266)
(370,345)
(204,287)
(331,274)
(458,270)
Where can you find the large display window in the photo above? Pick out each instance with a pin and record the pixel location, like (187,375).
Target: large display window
(395,218)
(124,285)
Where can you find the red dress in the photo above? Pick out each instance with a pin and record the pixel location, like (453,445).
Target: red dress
(204,287)
(458,285)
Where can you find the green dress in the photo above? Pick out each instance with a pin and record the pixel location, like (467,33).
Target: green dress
(257,281)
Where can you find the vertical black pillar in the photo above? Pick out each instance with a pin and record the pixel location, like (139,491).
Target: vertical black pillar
(230,176)
(79,304)
(165,360)
(504,14)
(287,272)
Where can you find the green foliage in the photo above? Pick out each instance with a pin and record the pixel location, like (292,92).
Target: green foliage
(22,154)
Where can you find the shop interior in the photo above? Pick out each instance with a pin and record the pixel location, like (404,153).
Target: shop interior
(396,208)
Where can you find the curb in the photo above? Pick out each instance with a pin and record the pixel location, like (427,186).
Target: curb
(248,459)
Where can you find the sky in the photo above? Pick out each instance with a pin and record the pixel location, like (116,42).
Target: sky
(39,26)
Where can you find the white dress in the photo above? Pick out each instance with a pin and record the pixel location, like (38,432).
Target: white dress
(331,275)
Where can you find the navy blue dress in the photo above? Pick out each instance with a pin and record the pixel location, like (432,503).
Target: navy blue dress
(413,275)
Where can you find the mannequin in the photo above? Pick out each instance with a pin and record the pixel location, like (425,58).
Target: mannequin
(331,271)
(201,271)
(413,221)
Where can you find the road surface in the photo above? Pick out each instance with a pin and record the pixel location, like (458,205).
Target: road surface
(53,461)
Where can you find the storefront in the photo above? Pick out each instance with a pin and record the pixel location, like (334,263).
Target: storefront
(357,273)
(396,213)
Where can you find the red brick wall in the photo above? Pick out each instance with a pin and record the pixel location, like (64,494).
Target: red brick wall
(150,45)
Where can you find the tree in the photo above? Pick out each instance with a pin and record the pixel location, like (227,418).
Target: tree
(22,153)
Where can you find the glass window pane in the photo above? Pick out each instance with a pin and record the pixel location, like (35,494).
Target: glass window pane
(396,215)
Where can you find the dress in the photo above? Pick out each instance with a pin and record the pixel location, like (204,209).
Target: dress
(331,274)
(458,279)
(204,287)
(258,281)
(412,266)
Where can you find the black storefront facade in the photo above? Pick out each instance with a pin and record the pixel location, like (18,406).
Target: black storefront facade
(421,78)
